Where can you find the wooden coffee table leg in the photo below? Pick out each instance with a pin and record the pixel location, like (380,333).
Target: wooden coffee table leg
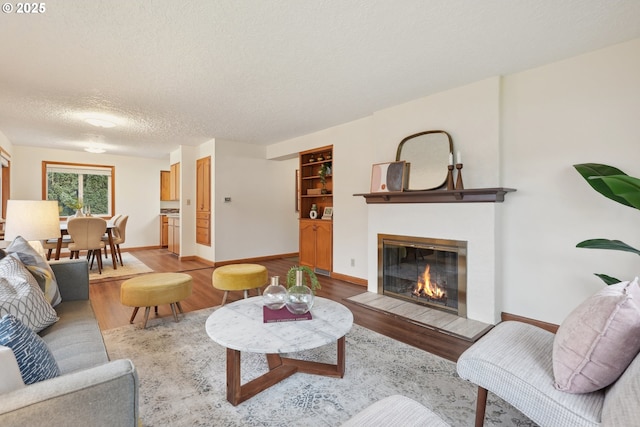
(316,368)
(237,393)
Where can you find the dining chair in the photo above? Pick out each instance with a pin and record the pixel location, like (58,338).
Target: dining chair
(51,244)
(86,233)
(119,235)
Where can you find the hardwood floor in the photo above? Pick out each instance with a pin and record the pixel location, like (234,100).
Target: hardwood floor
(105,298)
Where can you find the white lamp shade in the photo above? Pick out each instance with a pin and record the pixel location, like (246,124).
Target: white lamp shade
(32,219)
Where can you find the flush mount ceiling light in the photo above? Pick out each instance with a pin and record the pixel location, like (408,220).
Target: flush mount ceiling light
(99,122)
(95,150)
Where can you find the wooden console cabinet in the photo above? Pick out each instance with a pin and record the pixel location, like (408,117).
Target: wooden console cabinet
(164,231)
(316,235)
(173,232)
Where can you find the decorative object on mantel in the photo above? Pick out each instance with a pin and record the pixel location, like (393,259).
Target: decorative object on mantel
(475,195)
(616,185)
(392,176)
(427,152)
(450,176)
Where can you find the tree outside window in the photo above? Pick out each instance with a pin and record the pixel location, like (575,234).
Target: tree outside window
(79,186)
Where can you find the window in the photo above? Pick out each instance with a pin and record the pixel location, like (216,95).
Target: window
(75,185)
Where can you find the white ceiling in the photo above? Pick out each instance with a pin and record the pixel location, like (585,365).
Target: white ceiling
(262,71)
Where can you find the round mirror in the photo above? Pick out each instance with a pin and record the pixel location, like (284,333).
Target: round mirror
(428,155)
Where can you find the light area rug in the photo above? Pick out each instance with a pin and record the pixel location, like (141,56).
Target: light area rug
(131,267)
(183,380)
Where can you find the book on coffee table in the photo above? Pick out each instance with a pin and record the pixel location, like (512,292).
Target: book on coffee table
(282,315)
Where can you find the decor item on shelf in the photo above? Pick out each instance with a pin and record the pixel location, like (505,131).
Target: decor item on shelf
(327,213)
(320,158)
(274,296)
(299,296)
(459,184)
(313,214)
(450,173)
(427,153)
(312,159)
(325,170)
(392,176)
(617,186)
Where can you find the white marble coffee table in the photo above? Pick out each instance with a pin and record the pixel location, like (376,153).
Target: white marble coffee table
(239,327)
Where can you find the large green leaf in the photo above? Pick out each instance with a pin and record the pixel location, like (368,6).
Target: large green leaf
(624,186)
(589,171)
(615,245)
(608,279)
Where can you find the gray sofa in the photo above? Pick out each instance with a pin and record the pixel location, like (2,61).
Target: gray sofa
(91,390)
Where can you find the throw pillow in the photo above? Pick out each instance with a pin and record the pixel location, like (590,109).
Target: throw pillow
(598,340)
(34,358)
(21,249)
(21,296)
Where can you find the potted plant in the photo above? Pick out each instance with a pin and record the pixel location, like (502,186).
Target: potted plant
(322,173)
(300,297)
(617,186)
(76,204)
(309,278)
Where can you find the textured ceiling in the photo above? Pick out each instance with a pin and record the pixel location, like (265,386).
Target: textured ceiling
(262,71)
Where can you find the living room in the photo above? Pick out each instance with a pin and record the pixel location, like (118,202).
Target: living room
(521,129)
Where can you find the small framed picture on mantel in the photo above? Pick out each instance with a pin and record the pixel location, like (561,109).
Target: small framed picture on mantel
(327,213)
(392,176)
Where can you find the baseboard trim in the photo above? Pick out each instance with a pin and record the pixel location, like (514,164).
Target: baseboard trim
(350,279)
(255,259)
(551,327)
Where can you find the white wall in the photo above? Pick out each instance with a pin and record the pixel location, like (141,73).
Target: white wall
(137,186)
(524,131)
(583,109)
(260,220)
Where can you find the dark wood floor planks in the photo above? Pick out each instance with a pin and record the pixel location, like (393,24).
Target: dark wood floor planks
(105,298)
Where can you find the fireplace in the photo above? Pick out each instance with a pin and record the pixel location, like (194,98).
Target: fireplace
(426,271)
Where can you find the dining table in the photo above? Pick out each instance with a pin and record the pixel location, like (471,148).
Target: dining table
(110,226)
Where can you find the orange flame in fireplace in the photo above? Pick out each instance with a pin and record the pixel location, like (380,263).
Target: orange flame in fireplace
(425,287)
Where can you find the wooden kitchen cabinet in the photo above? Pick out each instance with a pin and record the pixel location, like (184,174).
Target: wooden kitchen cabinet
(173,235)
(164,231)
(174,182)
(165,185)
(203,201)
(316,244)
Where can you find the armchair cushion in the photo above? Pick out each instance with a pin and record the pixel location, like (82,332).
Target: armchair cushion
(34,359)
(598,340)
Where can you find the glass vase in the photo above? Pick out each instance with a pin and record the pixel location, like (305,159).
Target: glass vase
(274,296)
(299,297)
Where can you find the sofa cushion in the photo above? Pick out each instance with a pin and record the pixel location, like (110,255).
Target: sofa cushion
(34,358)
(598,340)
(38,266)
(75,340)
(21,296)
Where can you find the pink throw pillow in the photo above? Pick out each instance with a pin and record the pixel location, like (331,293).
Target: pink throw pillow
(598,340)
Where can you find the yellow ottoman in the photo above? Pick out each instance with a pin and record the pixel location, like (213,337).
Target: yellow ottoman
(239,277)
(152,290)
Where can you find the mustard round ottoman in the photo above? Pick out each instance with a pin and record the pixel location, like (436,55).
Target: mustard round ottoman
(152,290)
(239,277)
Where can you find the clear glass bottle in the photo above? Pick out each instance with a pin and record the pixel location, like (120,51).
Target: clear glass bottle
(274,296)
(299,296)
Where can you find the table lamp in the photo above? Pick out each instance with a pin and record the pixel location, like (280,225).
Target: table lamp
(34,220)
